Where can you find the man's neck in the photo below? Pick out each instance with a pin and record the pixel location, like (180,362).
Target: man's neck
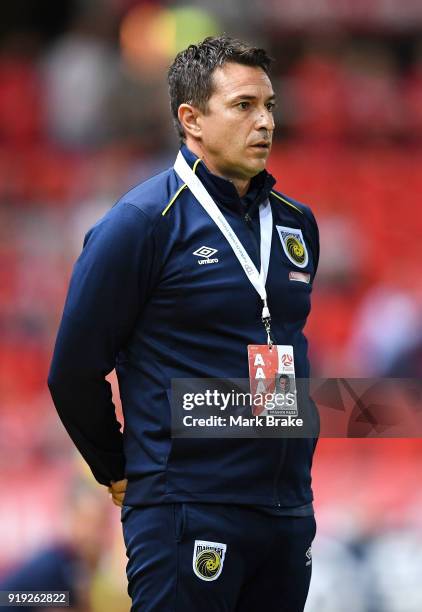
(241,185)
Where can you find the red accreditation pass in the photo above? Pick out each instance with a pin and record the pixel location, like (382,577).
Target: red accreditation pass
(272,379)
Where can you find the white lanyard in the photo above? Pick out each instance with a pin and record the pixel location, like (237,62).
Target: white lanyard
(258,279)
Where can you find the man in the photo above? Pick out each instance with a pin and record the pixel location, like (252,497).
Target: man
(209,524)
(282,383)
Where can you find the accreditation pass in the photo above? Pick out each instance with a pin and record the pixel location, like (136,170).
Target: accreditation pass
(272,379)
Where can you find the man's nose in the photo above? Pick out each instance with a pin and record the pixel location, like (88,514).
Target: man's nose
(265,119)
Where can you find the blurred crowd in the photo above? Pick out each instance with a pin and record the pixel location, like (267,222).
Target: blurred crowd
(84,115)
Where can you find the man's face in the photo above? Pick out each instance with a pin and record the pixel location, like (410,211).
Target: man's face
(237,127)
(283,383)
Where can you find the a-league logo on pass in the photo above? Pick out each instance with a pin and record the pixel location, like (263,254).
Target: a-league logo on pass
(293,245)
(208,559)
(287,360)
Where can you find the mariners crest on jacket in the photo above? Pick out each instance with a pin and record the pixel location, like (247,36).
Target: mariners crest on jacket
(208,559)
(293,245)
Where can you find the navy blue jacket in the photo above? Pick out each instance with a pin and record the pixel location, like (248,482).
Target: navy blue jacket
(138,301)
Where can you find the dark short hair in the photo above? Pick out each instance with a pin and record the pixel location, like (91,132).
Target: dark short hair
(190,75)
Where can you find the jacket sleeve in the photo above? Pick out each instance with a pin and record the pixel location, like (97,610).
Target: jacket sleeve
(314,235)
(110,283)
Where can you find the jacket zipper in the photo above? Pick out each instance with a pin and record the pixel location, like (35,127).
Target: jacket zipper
(248,220)
(278,472)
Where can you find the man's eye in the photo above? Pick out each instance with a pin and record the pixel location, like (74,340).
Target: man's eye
(243,105)
(271,106)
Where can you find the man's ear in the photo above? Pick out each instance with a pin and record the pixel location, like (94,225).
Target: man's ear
(188,116)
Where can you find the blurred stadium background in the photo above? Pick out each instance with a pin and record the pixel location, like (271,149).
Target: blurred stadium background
(83,117)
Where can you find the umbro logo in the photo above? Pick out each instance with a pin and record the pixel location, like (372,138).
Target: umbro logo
(308,556)
(207,253)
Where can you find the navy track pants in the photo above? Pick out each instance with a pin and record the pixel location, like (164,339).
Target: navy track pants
(194,557)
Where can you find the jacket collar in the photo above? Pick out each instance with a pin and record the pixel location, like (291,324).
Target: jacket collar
(224,192)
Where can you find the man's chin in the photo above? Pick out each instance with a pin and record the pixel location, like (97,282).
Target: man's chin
(256,168)
(258,163)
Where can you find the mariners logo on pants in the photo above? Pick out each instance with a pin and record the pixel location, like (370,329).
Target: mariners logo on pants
(208,559)
(293,245)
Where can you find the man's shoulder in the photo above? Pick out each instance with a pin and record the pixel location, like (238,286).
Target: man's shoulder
(137,213)
(152,196)
(301,214)
(294,206)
